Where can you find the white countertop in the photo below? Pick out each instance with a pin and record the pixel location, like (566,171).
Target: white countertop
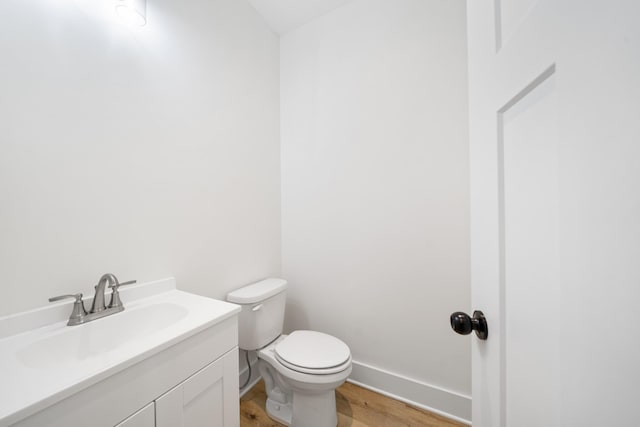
(41,366)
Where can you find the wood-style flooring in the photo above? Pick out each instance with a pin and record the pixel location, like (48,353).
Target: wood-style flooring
(357,407)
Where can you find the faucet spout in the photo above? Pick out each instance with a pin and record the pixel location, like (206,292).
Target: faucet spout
(98,299)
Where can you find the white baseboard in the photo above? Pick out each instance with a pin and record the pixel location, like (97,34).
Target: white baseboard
(250,385)
(416,393)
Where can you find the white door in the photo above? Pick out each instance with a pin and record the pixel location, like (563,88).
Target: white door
(555,210)
(209,398)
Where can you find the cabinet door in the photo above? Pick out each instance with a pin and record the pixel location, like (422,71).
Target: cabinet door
(208,398)
(145,417)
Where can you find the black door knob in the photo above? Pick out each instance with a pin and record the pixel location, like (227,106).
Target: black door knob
(463,324)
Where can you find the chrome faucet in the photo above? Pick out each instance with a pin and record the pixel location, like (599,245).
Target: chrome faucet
(98,308)
(98,298)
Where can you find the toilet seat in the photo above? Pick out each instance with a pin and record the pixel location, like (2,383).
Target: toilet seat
(313,352)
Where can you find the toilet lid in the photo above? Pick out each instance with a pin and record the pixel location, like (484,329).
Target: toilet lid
(312,351)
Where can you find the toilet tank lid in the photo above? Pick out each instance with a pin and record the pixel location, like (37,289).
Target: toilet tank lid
(258,291)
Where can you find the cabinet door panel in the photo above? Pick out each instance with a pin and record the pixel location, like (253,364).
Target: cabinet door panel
(208,398)
(203,397)
(145,417)
(169,408)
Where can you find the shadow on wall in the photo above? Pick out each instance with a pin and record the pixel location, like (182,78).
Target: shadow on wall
(294,317)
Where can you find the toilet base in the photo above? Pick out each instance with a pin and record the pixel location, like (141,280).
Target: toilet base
(317,410)
(279,412)
(314,410)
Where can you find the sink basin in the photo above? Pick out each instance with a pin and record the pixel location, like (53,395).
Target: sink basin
(77,344)
(43,361)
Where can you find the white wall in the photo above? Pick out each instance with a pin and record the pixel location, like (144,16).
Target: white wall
(375,191)
(147,153)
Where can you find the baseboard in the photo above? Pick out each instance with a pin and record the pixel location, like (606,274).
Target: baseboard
(435,399)
(250,385)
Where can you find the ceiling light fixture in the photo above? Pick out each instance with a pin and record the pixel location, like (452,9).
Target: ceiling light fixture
(133,12)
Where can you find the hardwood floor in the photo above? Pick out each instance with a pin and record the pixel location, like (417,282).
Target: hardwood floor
(357,407)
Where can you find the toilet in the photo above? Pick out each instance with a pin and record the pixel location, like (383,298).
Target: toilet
(301,370)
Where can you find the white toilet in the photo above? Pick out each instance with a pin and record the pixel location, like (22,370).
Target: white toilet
(301,370)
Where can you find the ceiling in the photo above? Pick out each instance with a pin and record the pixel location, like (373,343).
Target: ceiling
(285,15)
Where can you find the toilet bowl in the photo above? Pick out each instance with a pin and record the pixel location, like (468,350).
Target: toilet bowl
(301,370)
(302,387)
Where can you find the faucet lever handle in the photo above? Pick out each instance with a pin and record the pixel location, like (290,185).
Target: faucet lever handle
(117,285)
(78,313)
(78,297)
(115,295)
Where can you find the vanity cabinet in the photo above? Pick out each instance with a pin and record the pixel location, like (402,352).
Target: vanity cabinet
(207,398)
(190,384)
(145,417)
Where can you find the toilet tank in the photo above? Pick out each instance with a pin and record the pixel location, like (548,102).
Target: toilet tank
(260,321)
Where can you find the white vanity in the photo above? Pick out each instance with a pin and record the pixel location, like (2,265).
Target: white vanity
(170,359)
